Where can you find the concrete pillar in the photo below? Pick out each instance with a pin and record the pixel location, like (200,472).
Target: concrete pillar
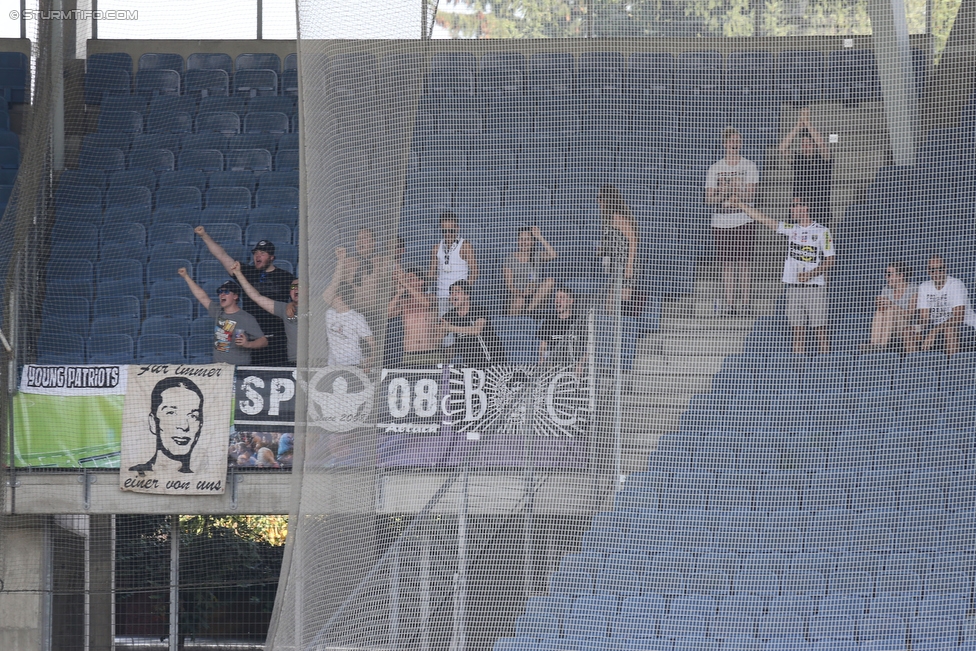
(889,28)
(101,582)
(24,623)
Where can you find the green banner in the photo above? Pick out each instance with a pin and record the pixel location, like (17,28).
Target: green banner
(67,431)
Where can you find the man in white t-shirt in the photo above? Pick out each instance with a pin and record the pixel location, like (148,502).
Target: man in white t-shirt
(809,257)
(733,230)
(943,306)
(345,326)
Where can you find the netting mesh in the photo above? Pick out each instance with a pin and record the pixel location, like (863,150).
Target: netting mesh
(601,340)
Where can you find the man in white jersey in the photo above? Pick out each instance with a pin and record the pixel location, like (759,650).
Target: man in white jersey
(809,257)
(943,306)
(451,260)
(734,232)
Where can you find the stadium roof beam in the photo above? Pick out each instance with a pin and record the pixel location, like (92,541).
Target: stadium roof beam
(889,27)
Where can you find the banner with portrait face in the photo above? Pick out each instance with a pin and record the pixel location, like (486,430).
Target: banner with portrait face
(174,429)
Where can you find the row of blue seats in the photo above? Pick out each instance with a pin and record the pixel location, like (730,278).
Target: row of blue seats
(118,218)
(198,83)
(88,242)
(122,349)
(132,307)
(224,122)
(787,567)
(118,180)
(196,61)
(837,617)
(179,197)
(109,159)
(192,105)
(175,142)
(798,75)
(735,643)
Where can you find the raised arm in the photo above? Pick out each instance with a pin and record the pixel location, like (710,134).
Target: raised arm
(330,290)
(467,254)
(215,249)
(756,215)
(263,301)
(817,138)
(472,330)
(787,141)
(549,252)
(195,288)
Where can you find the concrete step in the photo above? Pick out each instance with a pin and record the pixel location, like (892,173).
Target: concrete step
(678,364)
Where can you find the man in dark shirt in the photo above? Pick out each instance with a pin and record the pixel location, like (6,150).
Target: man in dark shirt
(813,169)
(563,333)
(269,281)
(476,344)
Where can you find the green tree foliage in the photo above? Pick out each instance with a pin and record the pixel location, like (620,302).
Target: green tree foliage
(676,18)
(224,562)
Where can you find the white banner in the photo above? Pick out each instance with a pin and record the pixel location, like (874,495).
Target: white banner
(92,380)
(174,429)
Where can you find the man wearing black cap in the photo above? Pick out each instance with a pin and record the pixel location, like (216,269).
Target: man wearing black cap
(236,333)
(269,281)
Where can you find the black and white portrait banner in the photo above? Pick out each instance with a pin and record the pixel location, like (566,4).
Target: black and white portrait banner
(174,429)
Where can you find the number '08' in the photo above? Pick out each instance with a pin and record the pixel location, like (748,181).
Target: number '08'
(424,394)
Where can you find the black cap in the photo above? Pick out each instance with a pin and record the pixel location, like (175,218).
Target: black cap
(232,286)
(264,245)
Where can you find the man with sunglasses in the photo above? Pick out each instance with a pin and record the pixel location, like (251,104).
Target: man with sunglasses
(287,312)
(451,260)
(943,306)
(810,255)
(270,281)
(236,333)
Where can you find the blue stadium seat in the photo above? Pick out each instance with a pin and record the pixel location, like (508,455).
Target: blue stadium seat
(153,160)
(138,177)
(537,625)
(601,72)
(881,627)
(223,122)
(119,307)
(161,349)
(590,616)
(180,197)
(137,103)
(217,141)
(203,160)
(698,73)
(207,83)
(134,196)
(276,196)
(289,82)
(258,61)
(110,325)
(221,104)
(452,74)
(235,216)
(271,122)
(60,348)
(185,178)
(252,160)
(161,269)
(107,74)
(199,348)
(120,269)
(273,232)
(106,160)
(162,61)
(110,349)
(166,325)
(170,250)
(210,61)
(571,583)
(748,73)
(169,122)
(152,82)
(170,141)
(286,160)
(286,105)
(689,615)
(177,307)
(639,617)
(229,197)
(277,179)
(851,76)
(173,103)
(253,83)
(266,141)
(14,77)
(208,270)
(176,287)
(799,76)
(551,74)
